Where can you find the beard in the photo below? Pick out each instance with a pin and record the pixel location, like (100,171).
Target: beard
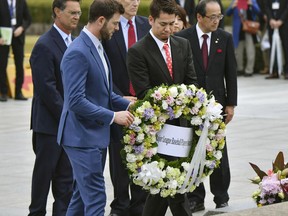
(104,33)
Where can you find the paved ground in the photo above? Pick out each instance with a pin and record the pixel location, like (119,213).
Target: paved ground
(257,133)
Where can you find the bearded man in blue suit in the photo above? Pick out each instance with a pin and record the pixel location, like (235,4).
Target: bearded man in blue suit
(90,107)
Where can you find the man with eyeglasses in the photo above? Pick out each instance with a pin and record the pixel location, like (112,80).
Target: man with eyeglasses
(52,166)
(215,65)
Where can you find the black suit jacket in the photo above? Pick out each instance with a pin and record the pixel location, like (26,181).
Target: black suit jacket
(147,67)
(189,7)
(23,17)
(282,13)
(221,75)
(47,100)
(116,51)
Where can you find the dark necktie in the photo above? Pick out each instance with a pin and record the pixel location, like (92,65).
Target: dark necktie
(131,41)
(168,59)
(11,9)
(204,50)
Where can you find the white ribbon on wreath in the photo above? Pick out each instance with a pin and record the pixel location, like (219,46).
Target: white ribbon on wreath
(197,163)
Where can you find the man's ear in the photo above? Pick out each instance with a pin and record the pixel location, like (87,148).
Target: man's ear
(57,11)
(151,20)
(198,17)
(101,20)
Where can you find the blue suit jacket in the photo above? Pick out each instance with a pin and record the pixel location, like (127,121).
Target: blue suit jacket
(47,100)
(117,52)
(88,99)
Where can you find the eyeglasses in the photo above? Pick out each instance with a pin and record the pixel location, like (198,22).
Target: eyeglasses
(215,17)
(75,13)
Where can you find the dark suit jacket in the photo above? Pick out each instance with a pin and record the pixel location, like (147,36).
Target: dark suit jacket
(47,99)
(282,13)
(23,17)
(221,74)
(189,7)
(147,67)
(116,52)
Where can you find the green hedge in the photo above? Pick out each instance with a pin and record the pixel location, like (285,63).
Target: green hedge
(41,10)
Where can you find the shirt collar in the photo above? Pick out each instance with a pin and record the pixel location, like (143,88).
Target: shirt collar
(93,38)
(159,42)
(63,34)
(200,32)
(124,21)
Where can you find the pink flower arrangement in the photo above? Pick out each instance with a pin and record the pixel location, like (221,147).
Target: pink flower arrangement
(273,185)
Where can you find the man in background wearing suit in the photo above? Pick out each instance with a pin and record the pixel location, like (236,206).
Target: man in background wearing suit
(189,7)
(90,107)
(51,163)
(156,59)
(14,14)
(125,203)
(277,15)
(216,73)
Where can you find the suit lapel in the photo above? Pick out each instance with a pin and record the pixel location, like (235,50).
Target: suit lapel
(158,57)
(119,38)
(58,39)
(214,44)
(96,56)
(141,32)
(197,54)
(176,56)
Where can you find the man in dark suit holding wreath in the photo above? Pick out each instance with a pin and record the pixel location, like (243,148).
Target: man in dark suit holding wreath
(156,59)
(216,73)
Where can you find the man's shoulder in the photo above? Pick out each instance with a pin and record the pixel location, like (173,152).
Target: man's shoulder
(142,18)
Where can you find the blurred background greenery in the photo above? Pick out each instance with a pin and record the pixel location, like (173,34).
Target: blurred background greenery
(41,13)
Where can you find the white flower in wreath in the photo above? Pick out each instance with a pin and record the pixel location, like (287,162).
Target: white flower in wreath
(186,166)
(172,184)
(173,91)
(128,148)
(137,121)
(214,111)
(196,120)
(150,173)
(131,158)
(140,137)
(218,155)
(162,90)
(164,105)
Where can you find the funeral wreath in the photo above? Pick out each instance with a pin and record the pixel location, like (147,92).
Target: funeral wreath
(149,169)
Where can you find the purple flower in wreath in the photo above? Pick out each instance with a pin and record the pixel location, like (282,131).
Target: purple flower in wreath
(148,113)
(170,113)
(189,93)
(138,149)
(135,127)
(200,96)
(212,165)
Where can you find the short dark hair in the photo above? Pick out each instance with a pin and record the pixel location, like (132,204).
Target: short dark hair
(61,4)
(201,7)
(166,6)
(106,8)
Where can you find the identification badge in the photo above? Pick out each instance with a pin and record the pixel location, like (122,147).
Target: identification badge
(275,6)
(13,21)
